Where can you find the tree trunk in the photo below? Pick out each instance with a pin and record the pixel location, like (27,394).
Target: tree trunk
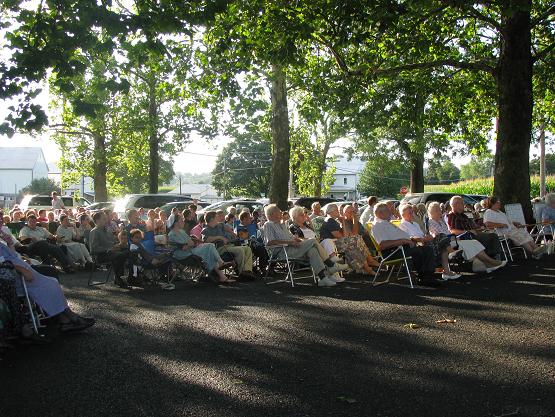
(281,145)
(322,166)
(99,168)
(417,173)
(514,85)
(154,162)
(542,160)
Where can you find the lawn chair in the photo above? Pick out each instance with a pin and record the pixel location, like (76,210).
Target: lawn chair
(278,256)
(397,260)
(540,231)
(105,267)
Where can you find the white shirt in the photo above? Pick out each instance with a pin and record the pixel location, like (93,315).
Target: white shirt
(498,217)
(412,228)
(66,233)
(40,233)
(367,215)
(308,233)
(383,230)
(57,204)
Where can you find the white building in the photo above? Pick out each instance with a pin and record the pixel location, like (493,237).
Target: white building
(347,176)
(19,166)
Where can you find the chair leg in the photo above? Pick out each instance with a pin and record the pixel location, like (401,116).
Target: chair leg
(34,319)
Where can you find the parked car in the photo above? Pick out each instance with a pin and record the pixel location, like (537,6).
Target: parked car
(101,205)
(478,197)
(307,202)
(237,203)
(40,202)
(182,205)
(147,201)
(416,198)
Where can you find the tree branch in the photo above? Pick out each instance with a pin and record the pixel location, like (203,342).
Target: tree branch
(536,21)
(542,54)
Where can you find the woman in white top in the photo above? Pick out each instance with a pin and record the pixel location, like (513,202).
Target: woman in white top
(471,248)
(494,218)
(78,252)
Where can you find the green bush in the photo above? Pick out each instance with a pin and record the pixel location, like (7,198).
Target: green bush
(485,186)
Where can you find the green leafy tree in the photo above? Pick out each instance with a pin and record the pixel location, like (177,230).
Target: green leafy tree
(442,171)
(383,177)
(243,168)
(41,186)
(549,165)
(478,167)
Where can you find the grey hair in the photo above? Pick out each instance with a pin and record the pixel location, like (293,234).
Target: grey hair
(295,211)
(404,207)
(455,198)
(380,206)
(316,203)
(432,205)
(550,198)
(330,207)
(271,208)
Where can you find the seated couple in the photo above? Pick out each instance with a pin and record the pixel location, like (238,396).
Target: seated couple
(277,233)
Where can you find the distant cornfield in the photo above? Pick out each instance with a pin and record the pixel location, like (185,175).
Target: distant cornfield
(485,186)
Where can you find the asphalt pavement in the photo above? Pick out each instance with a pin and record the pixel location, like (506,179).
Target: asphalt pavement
(253,349)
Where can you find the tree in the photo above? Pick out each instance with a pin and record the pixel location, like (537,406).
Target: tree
(442,171)
(383,177)
(549,165)
(478,167)
(243,168)
(41,186)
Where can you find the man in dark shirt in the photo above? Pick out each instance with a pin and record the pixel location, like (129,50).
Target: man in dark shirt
(459,223)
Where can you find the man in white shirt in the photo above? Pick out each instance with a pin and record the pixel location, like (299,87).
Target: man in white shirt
(38,244)
(390,237)
(57,203)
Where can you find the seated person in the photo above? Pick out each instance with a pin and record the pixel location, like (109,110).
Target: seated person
(46,292)
(83,229)
(78,252)
(494,218)
(134,221)
(188,219)
(42,216)
(460,224)
(441,247)
(197,230)
(193,209)
(471,248)
(301,225)
(215,232)
(247,231)
(350,216)
(185,247)
(548,215)
(104,248)
(277,233)
(390,237)
(347,241)
(367,215)
(39,245)
(161,261)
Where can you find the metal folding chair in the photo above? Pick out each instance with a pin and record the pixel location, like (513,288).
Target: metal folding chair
(278,254)
(107,266)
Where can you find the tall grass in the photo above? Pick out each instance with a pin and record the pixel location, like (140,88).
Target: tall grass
(485,186)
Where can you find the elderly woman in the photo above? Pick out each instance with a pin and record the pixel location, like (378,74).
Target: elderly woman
(441,247)
(494,218)
(186,247)
(67,236)
(301,225)
(46,292)
(348,242)
(437,227)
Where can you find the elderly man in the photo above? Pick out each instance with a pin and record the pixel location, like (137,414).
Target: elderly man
(216,232)
(39,246)
(277,233)
(389,237)
(459,224)
(105,249)
(316,210)
(368,213)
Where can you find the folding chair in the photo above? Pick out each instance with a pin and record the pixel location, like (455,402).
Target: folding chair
(34,311)
(152,273)
(392,260)
(541,231)
(277,254)
(193,266)
(507,247)
(106,266)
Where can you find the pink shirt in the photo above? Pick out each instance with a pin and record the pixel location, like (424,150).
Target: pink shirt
(196,231)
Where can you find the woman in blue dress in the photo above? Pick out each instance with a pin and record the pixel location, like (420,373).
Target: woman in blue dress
(186,247)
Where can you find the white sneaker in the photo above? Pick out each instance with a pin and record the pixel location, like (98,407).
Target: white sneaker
(337,268)
(336,277)
(326,282)
(446,277)
(503,263)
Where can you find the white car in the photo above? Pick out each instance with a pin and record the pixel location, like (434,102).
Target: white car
(40,202)
(146,201)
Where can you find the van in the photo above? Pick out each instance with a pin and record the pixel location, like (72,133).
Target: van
(146,201)
(40,202)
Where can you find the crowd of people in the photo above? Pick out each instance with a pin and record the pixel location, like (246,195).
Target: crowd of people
(236,245)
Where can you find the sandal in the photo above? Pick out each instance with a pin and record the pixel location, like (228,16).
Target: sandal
(81,323)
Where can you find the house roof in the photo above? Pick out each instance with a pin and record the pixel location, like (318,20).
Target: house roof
(20,157)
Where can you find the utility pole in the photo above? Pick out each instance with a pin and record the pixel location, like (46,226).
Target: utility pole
(542,160)
(180,183)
